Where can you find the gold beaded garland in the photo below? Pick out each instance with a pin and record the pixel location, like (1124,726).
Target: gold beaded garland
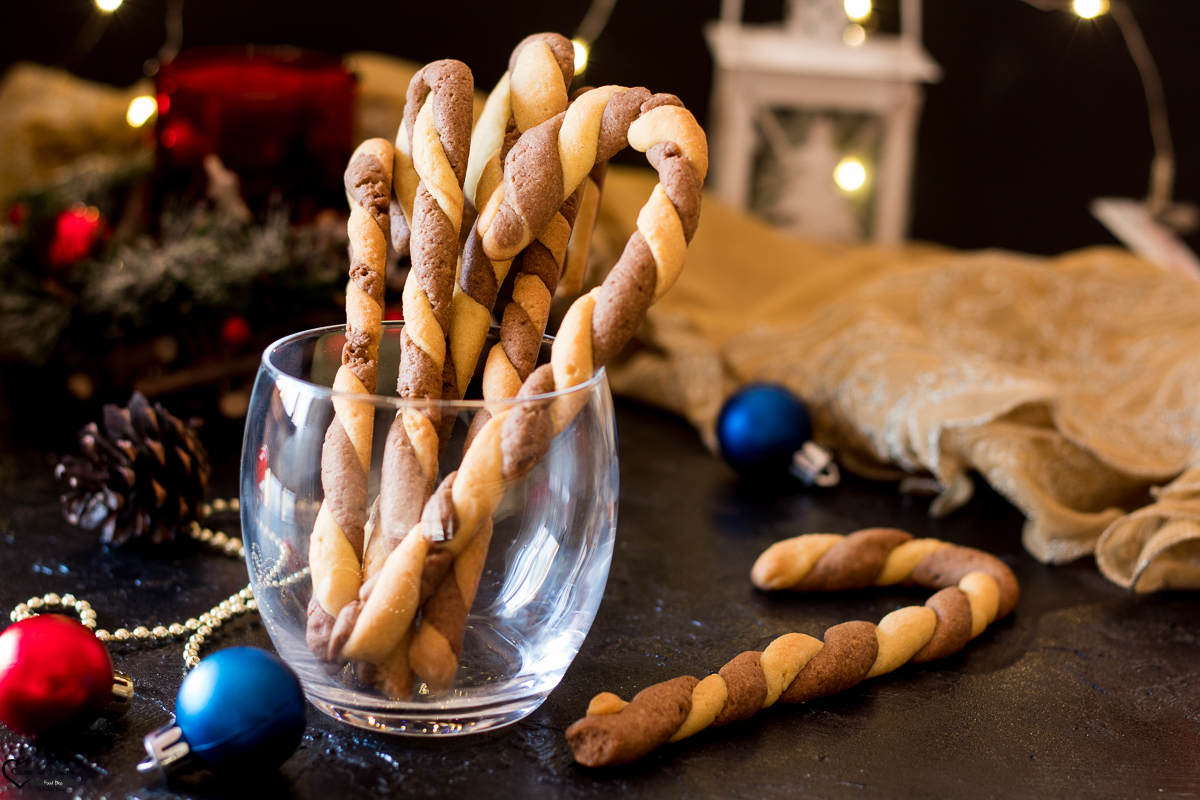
(198,630)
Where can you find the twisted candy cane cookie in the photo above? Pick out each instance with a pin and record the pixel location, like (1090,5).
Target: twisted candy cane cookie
(574,265)
(533,90)
(451,84)
(525,316)
(523,323)
(336,545)
(574,268)
(565,149)
(596,326)
(438,640)
(975,589)
(437,119)
(438,115)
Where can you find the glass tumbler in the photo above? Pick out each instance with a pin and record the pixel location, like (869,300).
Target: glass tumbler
(545,569)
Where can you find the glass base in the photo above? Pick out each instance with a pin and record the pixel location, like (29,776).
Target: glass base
(433,723)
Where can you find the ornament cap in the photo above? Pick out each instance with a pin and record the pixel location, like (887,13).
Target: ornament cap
(169,752)
(122,696)
(815,466)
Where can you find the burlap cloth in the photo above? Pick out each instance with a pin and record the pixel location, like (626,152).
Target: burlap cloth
(1071,384)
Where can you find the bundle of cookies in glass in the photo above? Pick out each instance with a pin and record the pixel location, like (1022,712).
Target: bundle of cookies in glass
(393,582)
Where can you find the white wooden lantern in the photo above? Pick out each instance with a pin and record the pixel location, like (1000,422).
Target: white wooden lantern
(796,101)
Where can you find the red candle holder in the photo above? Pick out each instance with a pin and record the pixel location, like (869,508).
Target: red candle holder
(281,118)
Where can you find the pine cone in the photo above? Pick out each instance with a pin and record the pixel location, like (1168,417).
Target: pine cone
(145,474)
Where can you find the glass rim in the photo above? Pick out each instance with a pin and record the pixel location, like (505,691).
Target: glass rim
(278,375)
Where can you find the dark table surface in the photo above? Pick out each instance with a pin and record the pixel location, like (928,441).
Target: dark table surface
(1086,691)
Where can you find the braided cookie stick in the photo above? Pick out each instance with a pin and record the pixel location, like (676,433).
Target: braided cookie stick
(976,589)
(574,268)
(533,90)
(595,328)
(438,639)
(568,147)
(404,191)
(524,320)
(523,323)
(438,118)
(336,545)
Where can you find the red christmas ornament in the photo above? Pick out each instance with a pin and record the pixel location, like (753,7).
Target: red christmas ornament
(236,330)
(17,214)
(76,232)
(262,464)
(53,671)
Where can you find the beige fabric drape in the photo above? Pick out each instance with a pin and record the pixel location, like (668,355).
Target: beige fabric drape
(1072,384)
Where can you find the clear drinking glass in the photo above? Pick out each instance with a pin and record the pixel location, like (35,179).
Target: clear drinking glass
(546,566)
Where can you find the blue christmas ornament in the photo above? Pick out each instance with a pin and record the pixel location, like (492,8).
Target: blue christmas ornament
(239,708)
(764,429)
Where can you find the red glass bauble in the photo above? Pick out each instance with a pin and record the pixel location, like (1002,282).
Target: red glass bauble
(236,330)
(76,232)
(53,671)
(17,214)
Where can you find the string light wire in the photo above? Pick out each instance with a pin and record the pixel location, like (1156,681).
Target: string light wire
(1159,199)
(594,20)
(589,31)
(1162,168)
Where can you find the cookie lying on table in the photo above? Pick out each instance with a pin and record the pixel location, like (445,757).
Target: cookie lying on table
(975,589)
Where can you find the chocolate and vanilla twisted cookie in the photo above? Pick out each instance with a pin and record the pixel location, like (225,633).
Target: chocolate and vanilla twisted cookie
(336,545)
(541,267)
(594,329)
(533,90)
(450,86)
(437,122)
(438,640)
(559,154)
(975,589)
(830,562)
(523,322)
(574,267)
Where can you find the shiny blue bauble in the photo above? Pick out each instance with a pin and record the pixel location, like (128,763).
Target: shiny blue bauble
(241,707)
(760,427)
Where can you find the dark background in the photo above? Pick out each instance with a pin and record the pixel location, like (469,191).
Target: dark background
(1037,112)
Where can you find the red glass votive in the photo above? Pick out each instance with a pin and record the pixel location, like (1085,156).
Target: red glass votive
(281,118)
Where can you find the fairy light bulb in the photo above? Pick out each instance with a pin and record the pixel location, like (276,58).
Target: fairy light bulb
(1088,9)
(581,55)
(857,10)
(850,174)
(141,109)
(854,34)
(108,6)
